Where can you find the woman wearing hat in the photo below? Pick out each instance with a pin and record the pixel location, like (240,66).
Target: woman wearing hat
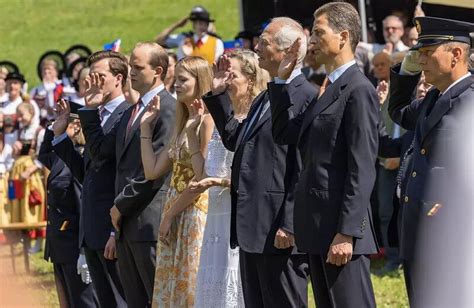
(199,42)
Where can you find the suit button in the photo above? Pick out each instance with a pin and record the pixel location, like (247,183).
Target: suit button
(423,151)
(47,207)
(48,191)
(405,199)
(413,174)
(49,222)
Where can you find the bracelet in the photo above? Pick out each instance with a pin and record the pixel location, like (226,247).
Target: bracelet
(145,137)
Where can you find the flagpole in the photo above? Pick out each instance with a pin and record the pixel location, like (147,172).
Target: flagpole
(363,19)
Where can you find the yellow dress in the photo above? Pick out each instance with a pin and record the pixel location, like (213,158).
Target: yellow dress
(177,264)
(20,210)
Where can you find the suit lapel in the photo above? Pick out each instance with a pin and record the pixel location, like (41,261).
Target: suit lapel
(252,110)
(329,97)
(442,105)
(122,129)
(264,117)
(115,116)
(136,124)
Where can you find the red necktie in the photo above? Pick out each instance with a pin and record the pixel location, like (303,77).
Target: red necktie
(199,43)
(132,116)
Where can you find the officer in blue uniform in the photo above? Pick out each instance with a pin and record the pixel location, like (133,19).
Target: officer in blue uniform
(62,232)
(442,53)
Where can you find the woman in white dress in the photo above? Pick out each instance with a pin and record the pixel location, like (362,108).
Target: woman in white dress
(218,281)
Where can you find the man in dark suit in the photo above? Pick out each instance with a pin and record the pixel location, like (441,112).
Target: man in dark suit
(426,201)
(263,178)
(338,139)
(62,233)
(96,234)
(134,214)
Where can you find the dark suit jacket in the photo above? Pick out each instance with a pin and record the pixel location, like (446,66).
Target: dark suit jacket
(64,199)
(338,139)
(263,172)
(435,121)
(133,193)
(98,191)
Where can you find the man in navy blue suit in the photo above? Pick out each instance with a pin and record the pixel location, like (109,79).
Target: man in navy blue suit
(338,139)
(96,233)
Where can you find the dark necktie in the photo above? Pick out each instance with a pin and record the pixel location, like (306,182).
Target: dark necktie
(132,116)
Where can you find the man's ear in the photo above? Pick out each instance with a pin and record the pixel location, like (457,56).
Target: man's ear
(118,80)
(457,53)
(158,71)
(344,38)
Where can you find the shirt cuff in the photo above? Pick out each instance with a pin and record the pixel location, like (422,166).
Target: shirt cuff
(112,234)
(58,139)
(38,164)
(280,81)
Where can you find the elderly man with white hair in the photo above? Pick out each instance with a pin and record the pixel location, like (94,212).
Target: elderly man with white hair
(263,177)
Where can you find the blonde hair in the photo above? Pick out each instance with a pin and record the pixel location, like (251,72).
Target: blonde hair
(201,71)
(258,77)
(26,106)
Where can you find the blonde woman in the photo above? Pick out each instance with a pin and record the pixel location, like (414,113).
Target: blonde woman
(218,282)
(183,222)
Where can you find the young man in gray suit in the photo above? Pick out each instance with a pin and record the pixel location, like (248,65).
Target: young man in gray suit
(134,214)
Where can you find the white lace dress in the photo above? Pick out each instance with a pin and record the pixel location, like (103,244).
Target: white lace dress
(218,281)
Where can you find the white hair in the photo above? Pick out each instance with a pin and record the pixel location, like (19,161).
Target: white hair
(288,33)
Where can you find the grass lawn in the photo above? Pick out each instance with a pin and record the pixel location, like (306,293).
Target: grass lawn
(31,27)
(389,290)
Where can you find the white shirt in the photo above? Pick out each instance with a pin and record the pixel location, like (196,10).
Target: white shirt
(9,107)
(177,40)
(146,99)
(6,158)
(457,81)
(340,70)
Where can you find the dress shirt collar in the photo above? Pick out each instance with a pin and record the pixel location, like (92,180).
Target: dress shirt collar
(295,73)
(203,38)
(340,70)
(146,99)
(113,104)
(457,81)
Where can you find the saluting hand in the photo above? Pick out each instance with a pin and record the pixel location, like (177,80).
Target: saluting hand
(222,75)
(382,91)
(152,112)
(94,95)
(62,115)
(195,118)
(287,65)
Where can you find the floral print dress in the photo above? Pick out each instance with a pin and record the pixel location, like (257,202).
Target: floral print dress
(178,263)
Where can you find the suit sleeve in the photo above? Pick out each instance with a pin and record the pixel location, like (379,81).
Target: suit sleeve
(46,150)
(139,192)
(360,118)
(402,108)
(100,147)
(220,108)
(388,147)
(287,117)
(73,160)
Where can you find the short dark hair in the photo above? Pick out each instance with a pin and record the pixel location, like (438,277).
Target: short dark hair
(342,16)
(118,63)
(158,56)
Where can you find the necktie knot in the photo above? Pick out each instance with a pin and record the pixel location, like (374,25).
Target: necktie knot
(199,43)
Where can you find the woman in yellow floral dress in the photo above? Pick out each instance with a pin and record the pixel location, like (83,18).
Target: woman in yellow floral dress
(184,215)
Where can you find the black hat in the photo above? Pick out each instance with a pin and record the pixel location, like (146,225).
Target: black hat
(246,34)
(15,76)
(433,31)
(200,13)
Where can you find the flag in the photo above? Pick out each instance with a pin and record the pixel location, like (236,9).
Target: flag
(231,45)
(114,46)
